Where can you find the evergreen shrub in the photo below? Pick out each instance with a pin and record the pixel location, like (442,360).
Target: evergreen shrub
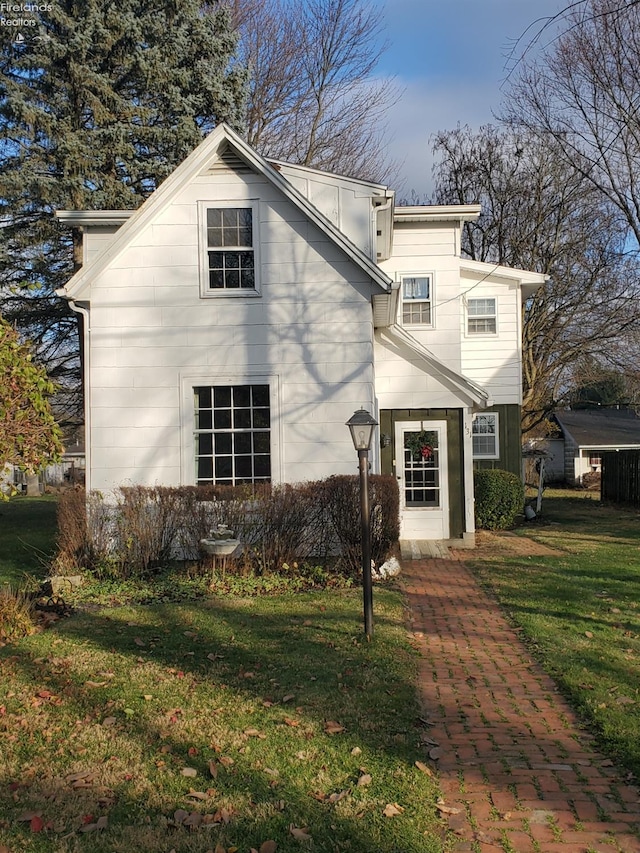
(499,498)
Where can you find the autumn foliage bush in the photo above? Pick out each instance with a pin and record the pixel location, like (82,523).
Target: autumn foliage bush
(138,529)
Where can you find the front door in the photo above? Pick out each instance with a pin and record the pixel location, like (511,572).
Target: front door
(421,469)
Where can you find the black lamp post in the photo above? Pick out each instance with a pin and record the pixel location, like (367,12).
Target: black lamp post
(362,424)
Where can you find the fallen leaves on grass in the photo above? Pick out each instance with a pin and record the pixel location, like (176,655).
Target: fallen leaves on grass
(101,823)
(423,768)
(364,780)
(84,779)
(331,727)
(300,833)
(189,771)
(392,809)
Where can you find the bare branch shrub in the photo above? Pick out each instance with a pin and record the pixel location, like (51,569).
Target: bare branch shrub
(341,502)
(277,525)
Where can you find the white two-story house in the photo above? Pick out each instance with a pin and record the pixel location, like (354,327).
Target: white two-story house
(238,318)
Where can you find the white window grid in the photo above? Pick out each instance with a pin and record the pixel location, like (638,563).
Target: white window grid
(482,315)
(232,434)
(485,436)
(417,300)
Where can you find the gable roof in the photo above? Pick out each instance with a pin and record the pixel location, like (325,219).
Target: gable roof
(218,143)
(601,428)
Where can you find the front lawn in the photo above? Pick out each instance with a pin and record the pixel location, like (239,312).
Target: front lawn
(217,725)
(580,611)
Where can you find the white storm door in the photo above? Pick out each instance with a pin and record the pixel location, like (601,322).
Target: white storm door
(421,470)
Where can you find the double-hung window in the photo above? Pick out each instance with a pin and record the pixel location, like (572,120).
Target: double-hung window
(417,300)
(485,437)
(232,434)
(230,250)
(482,316)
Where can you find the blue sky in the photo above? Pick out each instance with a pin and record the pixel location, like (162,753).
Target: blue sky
(449,59)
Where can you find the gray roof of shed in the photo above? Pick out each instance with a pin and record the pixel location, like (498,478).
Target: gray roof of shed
(601,427)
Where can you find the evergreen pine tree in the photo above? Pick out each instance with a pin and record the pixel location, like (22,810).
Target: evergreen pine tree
(98,105)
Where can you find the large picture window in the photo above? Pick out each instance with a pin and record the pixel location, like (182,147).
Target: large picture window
(417,301)
(230,250)
(485,436)
(232,434)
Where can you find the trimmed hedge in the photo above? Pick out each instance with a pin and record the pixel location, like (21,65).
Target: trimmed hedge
(499,498)
(137,529)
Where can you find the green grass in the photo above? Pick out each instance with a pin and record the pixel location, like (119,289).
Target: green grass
(27,538)
(101,714)
(580,611)
(134,695)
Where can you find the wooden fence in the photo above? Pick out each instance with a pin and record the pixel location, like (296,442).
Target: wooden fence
(621,477)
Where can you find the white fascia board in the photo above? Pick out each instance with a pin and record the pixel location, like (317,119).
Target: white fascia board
(609,446)
(478,394)
(437,213)
(187,171)
(528,281)
(88,218)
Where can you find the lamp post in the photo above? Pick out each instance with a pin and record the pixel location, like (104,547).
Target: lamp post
(362,424)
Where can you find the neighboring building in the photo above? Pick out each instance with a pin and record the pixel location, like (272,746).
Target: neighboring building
(587,433)
(237,319)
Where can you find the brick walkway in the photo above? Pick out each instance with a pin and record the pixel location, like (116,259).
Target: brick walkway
(513,760)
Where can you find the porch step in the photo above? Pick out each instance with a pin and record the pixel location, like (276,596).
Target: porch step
(419,549)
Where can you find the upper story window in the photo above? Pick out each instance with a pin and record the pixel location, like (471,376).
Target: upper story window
(484,434)
(229,242)
(417,306)
(230,248)
(482,316)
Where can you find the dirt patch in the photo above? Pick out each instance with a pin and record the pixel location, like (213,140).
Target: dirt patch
(507,543)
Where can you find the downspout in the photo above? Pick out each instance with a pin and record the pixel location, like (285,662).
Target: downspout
(86,352)
(377,210)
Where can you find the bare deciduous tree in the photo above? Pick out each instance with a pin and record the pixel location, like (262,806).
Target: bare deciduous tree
(583,96)
(540,213)
(313,97)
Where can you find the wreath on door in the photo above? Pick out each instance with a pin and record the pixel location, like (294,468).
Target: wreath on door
(421,444)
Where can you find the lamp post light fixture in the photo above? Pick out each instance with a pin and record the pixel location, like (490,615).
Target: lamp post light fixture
(361,425)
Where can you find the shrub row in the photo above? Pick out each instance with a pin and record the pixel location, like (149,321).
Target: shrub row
(138,529)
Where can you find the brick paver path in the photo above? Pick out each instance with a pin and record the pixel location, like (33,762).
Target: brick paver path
(512,758)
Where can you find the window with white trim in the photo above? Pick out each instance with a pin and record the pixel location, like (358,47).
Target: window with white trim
(484,436)
(232,434)
(230,254)
(482,316)
(417,296)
